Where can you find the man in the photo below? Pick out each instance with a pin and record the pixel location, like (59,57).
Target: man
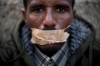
(28,45)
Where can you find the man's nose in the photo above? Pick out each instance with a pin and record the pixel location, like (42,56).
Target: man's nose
(49,20)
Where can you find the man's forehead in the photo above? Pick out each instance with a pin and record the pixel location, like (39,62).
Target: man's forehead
(48,0)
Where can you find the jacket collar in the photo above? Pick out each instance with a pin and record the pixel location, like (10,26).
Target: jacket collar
(74,58)
(86,45)
(20,45)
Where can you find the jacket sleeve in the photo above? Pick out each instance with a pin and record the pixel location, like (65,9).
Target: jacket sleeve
(96,53)
(7,52)
(2,63)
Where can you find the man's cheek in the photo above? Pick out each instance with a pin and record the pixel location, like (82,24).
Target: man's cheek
(34,23)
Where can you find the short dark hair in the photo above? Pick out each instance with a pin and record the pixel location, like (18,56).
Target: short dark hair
(73,3)
(25,3)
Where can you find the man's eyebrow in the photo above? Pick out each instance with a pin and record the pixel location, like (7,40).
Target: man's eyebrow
(36,5)
(62,5)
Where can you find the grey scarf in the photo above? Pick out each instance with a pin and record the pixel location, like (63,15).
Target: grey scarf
(78,34)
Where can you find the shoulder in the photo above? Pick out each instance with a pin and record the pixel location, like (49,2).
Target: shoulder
(8,46)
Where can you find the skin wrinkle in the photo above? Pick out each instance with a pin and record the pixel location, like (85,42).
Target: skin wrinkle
(51,16)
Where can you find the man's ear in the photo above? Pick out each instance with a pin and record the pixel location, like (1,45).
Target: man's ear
(24,14)
(74,12)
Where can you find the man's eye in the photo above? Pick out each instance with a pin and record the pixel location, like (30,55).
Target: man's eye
(60,10)
(37,10)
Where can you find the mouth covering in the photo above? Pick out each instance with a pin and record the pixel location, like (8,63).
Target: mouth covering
(44,37)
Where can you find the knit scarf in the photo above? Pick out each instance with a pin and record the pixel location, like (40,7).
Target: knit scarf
(79,31)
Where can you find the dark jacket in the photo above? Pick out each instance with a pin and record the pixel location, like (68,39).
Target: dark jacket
(13,53)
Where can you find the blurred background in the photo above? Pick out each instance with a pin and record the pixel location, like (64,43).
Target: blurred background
(10,13)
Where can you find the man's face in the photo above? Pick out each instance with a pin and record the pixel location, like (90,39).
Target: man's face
(57,14)
(48,15)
